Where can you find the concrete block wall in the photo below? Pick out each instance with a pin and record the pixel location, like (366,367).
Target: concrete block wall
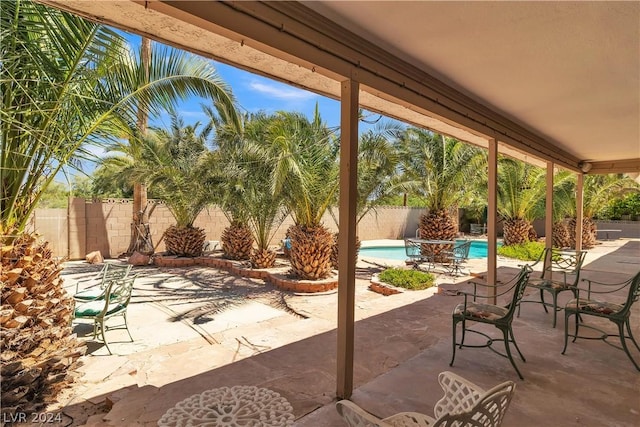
(105,226)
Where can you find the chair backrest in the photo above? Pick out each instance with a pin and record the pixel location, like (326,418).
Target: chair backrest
(562,261)
(411,248)
(113,271)
(632,297)
(461,251)
(488,411)
(119,292)
(355,416)
(518,290)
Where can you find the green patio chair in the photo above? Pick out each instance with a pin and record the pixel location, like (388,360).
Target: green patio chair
(556,262)
(604,306)
(456,257)
(110,271)
(100,310)
(499,316)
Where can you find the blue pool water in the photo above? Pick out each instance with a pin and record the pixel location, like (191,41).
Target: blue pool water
(478,250)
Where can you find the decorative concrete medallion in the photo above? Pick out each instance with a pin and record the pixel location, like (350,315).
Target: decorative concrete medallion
(248,406)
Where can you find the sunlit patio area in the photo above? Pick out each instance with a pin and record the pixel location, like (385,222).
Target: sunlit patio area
(197,329)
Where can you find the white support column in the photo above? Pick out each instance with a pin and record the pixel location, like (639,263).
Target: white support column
(579,210)
(492,217)
(347,236)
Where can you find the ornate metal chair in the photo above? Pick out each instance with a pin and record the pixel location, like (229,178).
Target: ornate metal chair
(499,316)
(100,310)
(618,313)
(464,404)
(418,253)
(556,262)
(110,271)
(456,257)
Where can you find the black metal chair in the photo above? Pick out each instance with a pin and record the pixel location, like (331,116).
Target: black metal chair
(616,312)
(499,316)
(418,254)
(556,262)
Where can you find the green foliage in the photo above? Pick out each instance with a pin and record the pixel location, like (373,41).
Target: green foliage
(413,201)
(627,205)
(408,279)
(529,251)
(55,196)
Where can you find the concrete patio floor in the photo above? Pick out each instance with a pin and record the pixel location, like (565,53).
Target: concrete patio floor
(200,328)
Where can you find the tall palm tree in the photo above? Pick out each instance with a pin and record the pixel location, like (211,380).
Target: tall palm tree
(305,170)
(60,95)
(438,169)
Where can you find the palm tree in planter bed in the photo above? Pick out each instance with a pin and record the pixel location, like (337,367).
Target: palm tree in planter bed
(228,162)
(378,160)
(303,157)
(599,191)
(439,169)
(174,162)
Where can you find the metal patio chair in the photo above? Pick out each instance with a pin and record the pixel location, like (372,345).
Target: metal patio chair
(616,312)
(464,404)
(499,316)
(110,271)
(100,310)
(456,257)
(556,262)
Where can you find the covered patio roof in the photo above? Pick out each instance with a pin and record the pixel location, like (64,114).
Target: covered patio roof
(555,82)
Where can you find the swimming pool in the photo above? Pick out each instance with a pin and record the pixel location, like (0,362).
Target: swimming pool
(478,250)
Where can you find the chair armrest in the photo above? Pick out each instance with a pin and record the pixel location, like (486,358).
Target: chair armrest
(602,287)
(459,394)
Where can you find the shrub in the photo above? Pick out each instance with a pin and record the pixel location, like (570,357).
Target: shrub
(408,279)
(529,251)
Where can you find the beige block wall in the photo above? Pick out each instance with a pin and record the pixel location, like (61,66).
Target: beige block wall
(105,226)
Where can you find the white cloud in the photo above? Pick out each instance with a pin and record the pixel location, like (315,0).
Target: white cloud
(281,91)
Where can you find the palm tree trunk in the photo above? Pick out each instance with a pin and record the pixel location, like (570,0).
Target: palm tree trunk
(140,232)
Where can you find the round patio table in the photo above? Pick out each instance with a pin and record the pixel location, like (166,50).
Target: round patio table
(229,407)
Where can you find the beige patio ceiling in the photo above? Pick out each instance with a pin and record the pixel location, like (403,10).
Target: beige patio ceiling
(558,80)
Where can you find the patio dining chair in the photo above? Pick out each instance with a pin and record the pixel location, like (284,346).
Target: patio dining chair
(417,254)
(556,262)
(597,302)
(110,271)
(456,257)
(499,316)
(100,310)
(464,404)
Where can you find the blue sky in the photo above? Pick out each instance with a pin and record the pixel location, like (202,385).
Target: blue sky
(254,93)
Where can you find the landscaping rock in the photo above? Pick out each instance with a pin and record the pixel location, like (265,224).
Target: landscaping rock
(139,259)
(94,257)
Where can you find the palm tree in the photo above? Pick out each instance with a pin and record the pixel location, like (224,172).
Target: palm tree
(521,196)
(305,170)
(438,169)
(230,163)
(378,160)
(60,93)
(599,190)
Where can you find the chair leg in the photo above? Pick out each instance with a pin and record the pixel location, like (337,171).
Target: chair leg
(577,316)
(104,337)
(505,333)
(464,329)
(631,334)
(544,305)
(555,308)
(513,339)
(566,330)
(623,341)
(127,326)
(453,355)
